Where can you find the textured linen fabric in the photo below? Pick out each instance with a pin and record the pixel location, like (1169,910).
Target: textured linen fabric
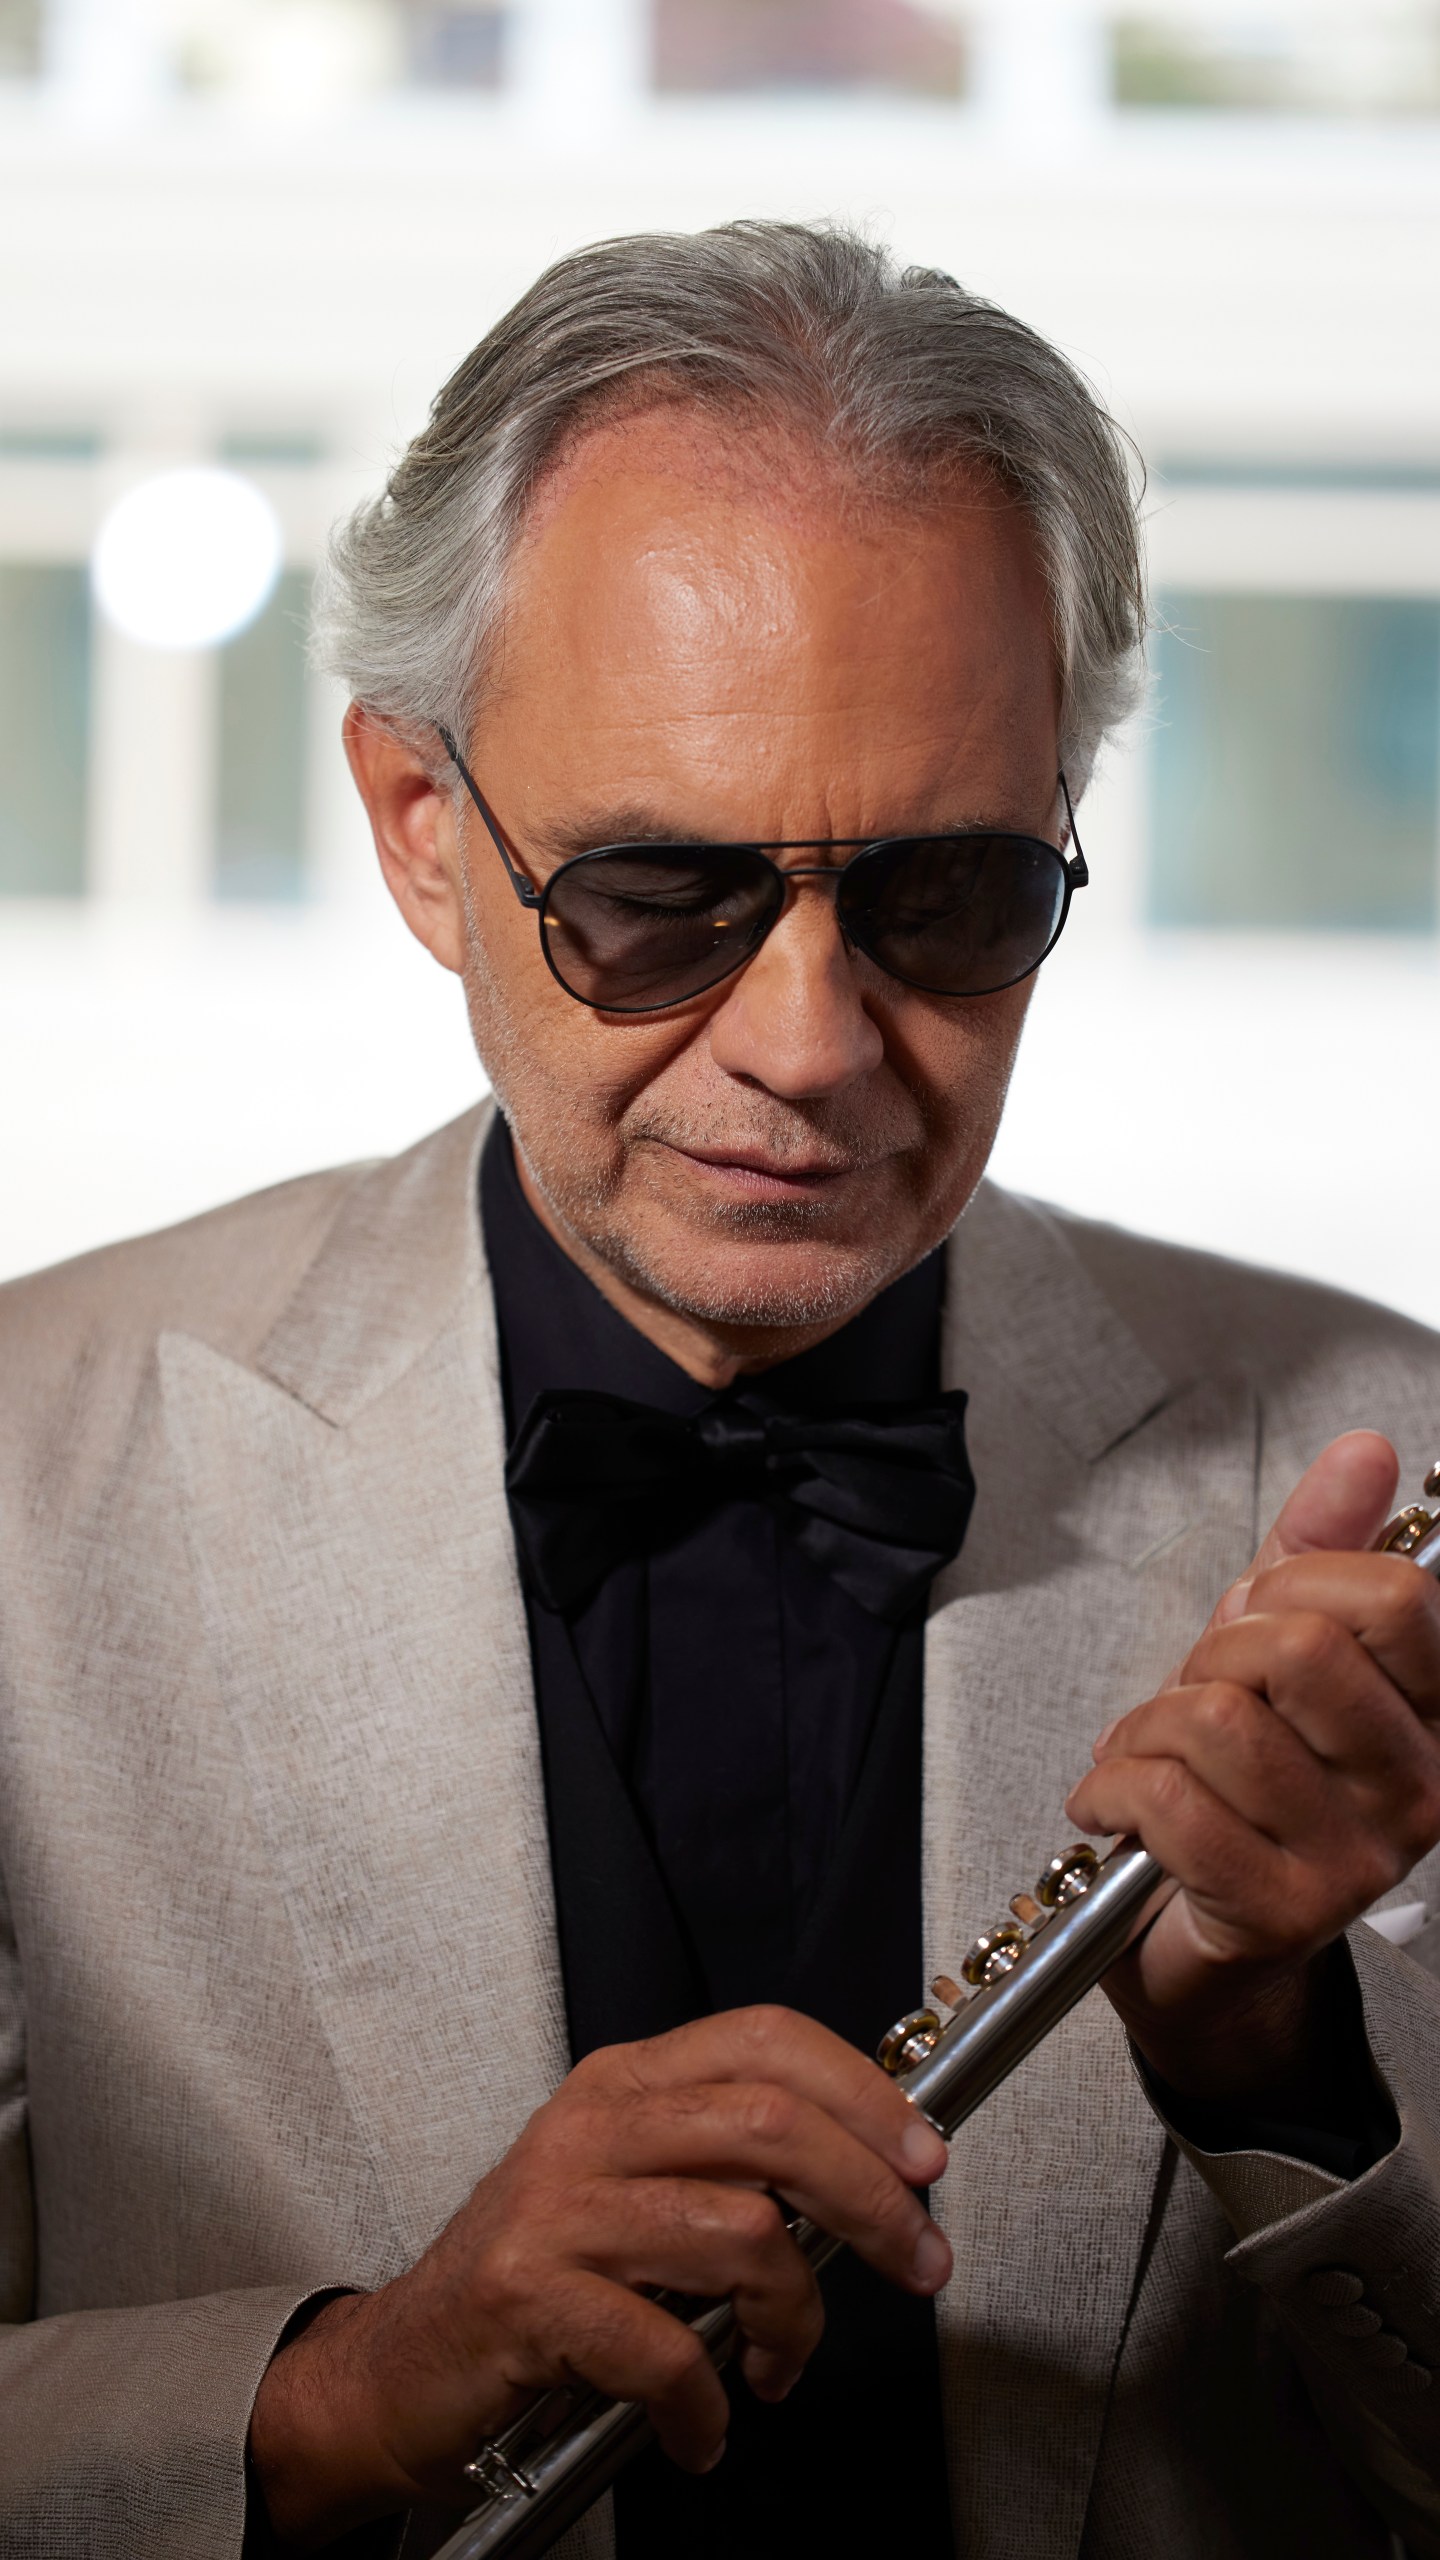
(279,1979)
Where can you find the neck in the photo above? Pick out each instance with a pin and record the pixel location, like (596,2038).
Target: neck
(714,1355)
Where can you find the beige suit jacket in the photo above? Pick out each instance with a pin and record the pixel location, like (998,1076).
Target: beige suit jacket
(278,1972)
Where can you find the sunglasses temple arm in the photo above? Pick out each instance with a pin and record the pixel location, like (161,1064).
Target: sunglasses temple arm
(525,890)
(1078,867)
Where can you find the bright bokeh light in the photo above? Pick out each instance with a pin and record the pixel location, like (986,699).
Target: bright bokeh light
(187,558)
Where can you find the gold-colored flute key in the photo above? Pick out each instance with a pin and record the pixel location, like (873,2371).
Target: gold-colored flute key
(910,2041)
(995,1953)
(1068,1876)
(1413,1528)
(1407,1529)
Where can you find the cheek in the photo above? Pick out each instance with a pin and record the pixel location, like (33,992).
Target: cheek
(956,1059)
(565,1075)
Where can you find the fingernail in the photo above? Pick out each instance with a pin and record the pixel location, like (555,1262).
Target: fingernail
(932,2259)
(716,2457)
(1235,1602)
(1102,1737)
(922,2150)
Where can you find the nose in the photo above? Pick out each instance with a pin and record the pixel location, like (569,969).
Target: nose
(794,1020)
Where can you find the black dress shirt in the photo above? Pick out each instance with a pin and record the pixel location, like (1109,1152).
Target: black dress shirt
(732,1769)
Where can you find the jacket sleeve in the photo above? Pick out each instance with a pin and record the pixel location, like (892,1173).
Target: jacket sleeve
(120,2431)
(1353,2270)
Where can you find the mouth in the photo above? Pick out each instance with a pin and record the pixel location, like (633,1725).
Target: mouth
(749,1173)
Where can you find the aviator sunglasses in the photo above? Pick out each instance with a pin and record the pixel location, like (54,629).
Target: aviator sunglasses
(634,928)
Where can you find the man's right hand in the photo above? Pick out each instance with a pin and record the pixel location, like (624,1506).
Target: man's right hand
(654,2164)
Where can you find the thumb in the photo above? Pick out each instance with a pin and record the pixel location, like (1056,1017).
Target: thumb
(1339,1504)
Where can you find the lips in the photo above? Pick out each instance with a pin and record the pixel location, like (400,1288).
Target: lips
(752,1169)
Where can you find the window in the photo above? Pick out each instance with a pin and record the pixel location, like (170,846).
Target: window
(749,45)
(1349,57)
(44,723)
(262,757)
(48,444)
(455,44)
(1295,761)
(271,449)
(19,39)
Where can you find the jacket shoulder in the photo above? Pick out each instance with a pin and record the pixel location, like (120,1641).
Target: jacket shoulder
(1178,1296)
(82,1433)
(1321,1360)
(225,1275)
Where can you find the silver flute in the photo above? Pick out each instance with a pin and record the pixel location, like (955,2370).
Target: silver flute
(550,2465)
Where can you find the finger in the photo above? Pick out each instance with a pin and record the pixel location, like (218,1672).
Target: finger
(1247,1896)
(1386,1604)
(1304,1737)
(795,2053)
(1340,1503)
(767,2136)
(695,2236)
(1242,1750)
(617,2342)
(1326,1685)
(770,2377)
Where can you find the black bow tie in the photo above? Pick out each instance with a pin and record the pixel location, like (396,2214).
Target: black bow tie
(880,1497)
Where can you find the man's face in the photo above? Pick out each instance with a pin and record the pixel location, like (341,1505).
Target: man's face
(706,641)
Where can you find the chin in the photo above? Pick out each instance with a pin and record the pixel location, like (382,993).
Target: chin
(765,1288)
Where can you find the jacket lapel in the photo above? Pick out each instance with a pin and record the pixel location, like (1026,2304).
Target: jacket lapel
(356,1573)
(1113,1505)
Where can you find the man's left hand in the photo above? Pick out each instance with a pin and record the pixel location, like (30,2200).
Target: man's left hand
(1287,1776)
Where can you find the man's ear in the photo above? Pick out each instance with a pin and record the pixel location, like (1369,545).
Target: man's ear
(413,822)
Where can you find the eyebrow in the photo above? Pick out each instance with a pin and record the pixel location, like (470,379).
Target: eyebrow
(635,824)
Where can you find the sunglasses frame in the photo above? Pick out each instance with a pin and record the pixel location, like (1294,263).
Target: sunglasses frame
(1074,867)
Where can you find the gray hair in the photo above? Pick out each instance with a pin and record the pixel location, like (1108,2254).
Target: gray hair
(899,373)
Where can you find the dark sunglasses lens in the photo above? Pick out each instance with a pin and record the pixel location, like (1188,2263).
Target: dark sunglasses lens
(639,927)
(957,915)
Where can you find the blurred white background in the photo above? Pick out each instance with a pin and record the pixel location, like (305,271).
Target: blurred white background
(258,233)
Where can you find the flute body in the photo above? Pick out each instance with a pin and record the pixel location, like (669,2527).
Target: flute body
(550,2465)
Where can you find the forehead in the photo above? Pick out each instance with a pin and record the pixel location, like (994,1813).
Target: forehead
(698,582)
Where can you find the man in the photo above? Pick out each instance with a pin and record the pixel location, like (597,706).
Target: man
(728,656)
